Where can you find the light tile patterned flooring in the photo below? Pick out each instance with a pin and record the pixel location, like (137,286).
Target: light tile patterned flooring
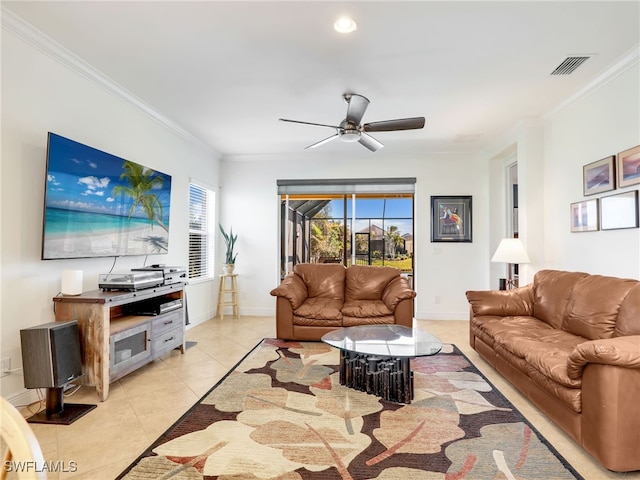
(142,405)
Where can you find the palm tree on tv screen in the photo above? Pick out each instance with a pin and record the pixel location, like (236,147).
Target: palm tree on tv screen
(141,181)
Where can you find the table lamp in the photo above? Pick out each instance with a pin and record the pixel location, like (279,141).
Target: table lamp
(510,251)
(71,282)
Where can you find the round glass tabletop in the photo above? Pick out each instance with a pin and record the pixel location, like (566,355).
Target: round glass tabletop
(384,340)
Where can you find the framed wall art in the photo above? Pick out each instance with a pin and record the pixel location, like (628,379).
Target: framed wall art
(619,211)
(599,176)
(628,167)
(584,216)
(451,219)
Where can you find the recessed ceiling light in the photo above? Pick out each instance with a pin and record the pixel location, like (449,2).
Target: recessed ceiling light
(345,25)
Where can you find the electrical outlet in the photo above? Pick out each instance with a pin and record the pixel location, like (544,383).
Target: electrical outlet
(5,366)
(437,299)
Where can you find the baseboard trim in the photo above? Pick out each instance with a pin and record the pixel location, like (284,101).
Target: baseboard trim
(257,312)
(23,398)
(442,315)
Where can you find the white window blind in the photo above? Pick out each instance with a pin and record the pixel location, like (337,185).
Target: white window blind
(201,215)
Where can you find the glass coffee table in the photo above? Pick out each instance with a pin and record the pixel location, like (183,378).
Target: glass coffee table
(377,358)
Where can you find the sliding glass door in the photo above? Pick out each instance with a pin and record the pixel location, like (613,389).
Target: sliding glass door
(355,228)
(384,230)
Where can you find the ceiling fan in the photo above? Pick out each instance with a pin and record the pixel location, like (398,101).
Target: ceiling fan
(350,129)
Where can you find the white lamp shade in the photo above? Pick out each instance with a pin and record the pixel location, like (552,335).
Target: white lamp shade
(71,282)
(510,250)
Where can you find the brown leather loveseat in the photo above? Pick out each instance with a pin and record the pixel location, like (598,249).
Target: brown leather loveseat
(317,298)
(570,342)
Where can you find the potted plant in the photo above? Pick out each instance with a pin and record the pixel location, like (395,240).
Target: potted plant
(230,256)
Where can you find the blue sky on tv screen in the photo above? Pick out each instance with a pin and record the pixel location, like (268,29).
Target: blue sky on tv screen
(82,178)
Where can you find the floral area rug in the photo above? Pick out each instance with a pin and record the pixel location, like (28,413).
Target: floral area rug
(282,414)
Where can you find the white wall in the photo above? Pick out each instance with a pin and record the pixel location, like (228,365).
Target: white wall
(250,203)
(602,123)
(40,94)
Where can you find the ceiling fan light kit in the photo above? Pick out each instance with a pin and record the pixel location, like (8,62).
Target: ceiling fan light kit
(349,137)
(351,130)
(348,131)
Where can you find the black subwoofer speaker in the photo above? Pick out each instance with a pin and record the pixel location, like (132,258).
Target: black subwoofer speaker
(51,358)
(51,354)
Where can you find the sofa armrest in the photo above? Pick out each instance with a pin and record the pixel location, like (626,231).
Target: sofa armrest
(293,289)
(618,351)
(403,314)
(397,290)
(284,319)
(504,303)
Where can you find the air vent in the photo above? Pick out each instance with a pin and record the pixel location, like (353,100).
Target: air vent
(569,65)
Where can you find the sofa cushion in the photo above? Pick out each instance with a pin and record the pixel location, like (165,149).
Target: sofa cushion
(551,363)
(315,322)
(368,283)
(541,354)
(320,308)
(593,308)
(354,321)
(322,279)
(365,309)
(479,334)
(629,314)
(501,329)
(514,361)
(552,290)
(522,341)
(570,397)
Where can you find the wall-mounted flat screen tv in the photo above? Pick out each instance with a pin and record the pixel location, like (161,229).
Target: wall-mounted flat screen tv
(100,205)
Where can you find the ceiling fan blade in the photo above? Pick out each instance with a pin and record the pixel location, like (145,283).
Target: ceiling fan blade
(391,125)
(357,106)
(322,142)
(370,142)
(309,123)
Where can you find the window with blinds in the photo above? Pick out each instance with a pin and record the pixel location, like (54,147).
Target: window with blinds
(201,214)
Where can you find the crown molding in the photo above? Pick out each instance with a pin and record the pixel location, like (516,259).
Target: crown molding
(34,37)
(628,60)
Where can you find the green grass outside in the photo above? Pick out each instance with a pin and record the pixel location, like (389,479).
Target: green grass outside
(404,265)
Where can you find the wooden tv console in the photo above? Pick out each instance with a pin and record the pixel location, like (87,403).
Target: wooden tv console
(122,331)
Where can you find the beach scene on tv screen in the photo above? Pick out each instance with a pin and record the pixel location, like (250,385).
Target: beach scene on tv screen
(98,204)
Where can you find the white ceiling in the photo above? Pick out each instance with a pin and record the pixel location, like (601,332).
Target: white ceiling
(226,71)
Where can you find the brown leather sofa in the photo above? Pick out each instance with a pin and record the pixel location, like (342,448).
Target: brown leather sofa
(570,342)
(317,298)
